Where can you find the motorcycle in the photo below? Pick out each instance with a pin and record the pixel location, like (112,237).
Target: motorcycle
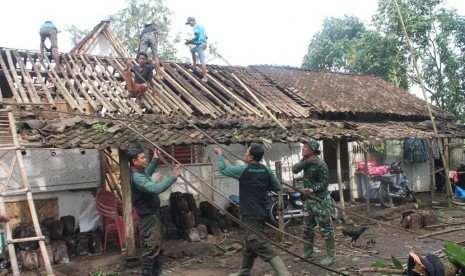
(293,203)
(393,185)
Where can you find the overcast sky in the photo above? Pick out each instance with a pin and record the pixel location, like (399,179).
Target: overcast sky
(247,31)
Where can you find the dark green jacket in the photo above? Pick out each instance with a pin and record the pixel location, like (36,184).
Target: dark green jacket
(316,176)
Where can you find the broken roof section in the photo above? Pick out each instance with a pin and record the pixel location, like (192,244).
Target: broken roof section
(359,95)
(100,42)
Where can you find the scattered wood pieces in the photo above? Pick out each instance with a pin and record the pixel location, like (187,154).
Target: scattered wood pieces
(382,270)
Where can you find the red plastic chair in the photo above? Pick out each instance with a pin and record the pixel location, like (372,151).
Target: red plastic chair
(110,207)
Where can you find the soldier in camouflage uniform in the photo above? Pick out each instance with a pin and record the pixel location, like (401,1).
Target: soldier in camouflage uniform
(317,212)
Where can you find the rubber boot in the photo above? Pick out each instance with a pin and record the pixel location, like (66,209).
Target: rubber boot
(308,252)
(279,266)
(158,265)
(246,266)
(147,267)
(331,253)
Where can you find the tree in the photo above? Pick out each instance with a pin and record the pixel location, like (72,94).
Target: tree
(129,22)
(346,45)
(437,35)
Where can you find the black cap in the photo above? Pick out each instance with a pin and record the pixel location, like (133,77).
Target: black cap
(189,19)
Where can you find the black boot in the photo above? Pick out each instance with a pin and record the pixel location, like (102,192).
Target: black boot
(147,267)
(158,265)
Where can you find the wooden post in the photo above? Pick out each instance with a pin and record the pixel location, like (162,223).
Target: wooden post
(279,175)
(339,179)
(367,185)
(432,179)
(127,204)
(450,193)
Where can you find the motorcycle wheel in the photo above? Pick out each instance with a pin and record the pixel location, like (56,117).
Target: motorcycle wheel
(333,211)
(273,213)
(384,196)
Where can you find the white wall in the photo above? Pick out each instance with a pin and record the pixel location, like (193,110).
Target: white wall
(101,47)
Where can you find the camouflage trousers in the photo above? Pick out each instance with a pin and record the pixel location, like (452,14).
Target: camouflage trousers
(317,214)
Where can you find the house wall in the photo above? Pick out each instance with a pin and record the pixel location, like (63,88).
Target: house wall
(101,47)
(417,173)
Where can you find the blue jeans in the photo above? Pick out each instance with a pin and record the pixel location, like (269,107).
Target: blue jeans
(200,50)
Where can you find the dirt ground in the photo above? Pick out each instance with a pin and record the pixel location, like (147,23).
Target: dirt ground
(206,258)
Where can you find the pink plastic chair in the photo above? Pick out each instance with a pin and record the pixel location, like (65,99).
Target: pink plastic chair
(110,207)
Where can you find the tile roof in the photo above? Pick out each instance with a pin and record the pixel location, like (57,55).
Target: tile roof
(330,92)
(87,132)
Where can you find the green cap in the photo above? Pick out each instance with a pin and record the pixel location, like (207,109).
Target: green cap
(314,145)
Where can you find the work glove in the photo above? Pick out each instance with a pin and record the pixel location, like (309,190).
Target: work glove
(189,41)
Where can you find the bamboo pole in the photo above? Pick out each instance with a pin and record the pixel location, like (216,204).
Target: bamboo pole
(53,76)
(79,85)
(367,180)
(258,102)
(27,79)
(15,76)
(279,176)
(10,81)
(339,179)
(41,81)
(98,78)
(209,94)
(117,86)
(95,92)
(30,201)
(428,107)
(248,108)
(198,105)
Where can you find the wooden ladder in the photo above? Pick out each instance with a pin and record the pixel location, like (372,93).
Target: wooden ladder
(24,189)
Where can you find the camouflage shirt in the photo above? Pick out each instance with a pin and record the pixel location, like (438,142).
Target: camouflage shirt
(316,176)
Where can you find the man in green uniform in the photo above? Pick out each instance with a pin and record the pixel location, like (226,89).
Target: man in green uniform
(255,180)
(147,203)
(316,177)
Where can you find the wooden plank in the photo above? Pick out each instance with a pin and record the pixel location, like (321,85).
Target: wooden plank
(41,81)
(87,81)
(27,79)
(127,203)
(15,77)
(78,83)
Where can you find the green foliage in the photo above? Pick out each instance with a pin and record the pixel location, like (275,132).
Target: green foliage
(437,37)
(456,254)
(129,22)
(378,264)
(346,45)
(76,34)
(396,263)
(100,127)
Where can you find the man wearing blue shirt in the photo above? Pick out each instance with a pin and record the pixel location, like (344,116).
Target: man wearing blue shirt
(200,44)
(49,30)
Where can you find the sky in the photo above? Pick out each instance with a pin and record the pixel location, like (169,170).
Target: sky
(247,32)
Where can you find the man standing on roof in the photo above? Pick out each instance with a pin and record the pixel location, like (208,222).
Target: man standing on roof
(316,181)
(143,75)
(149,38)
(49,30)
(200,44)
(146,201)
(255,180)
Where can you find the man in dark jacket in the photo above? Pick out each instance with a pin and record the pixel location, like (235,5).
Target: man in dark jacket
(149,38)
(146,201)
(255,180)
(316,181)
(143,75)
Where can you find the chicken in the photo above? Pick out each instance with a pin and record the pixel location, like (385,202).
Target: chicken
(354,234)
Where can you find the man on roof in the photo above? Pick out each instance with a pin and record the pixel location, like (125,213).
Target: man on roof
(143,76)
(149,38)
(200,44)
(49,30)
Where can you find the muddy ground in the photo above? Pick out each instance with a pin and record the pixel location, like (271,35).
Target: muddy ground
(205,258)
